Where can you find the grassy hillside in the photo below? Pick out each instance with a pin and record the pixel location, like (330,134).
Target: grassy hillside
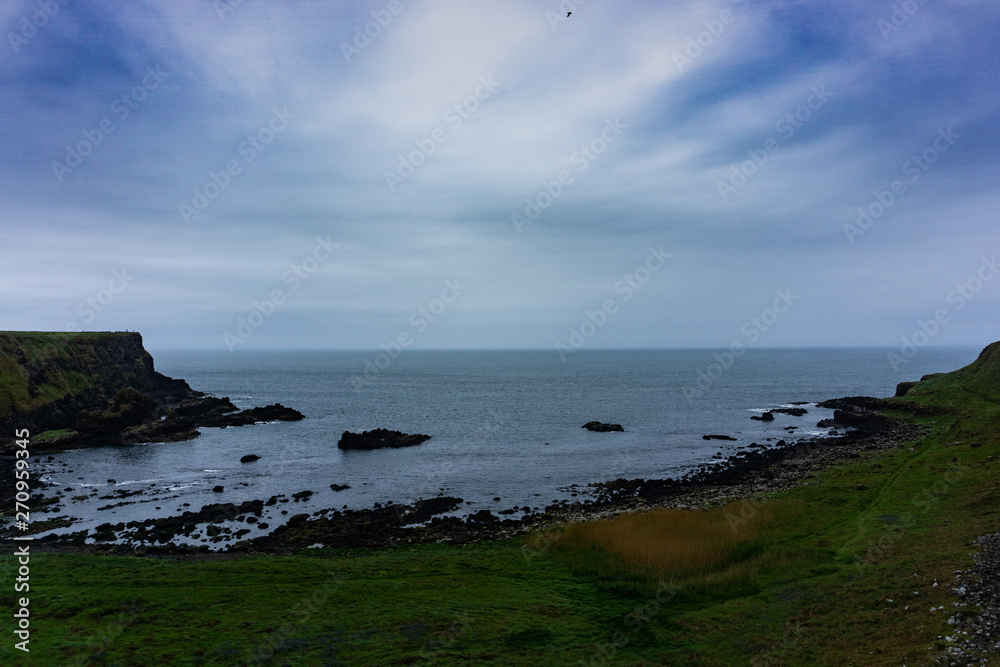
(46,377)
(970,397)
(851,568)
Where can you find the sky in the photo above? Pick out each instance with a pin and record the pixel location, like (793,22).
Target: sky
(495,174)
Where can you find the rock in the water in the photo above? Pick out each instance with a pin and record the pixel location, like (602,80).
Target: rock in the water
(270,413)
(766,417)
(602,428)
(218,489)
(717,437)
(202,407)
(249,458)
(795,412)
(340,487)
(379,438)
(166,430)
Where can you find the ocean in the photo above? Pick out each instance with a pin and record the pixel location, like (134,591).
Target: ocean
(506,426)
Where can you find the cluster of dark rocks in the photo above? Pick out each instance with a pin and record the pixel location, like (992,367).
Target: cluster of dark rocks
(182,422)
(163,530)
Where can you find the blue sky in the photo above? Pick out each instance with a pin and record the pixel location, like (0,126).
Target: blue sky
(254,174)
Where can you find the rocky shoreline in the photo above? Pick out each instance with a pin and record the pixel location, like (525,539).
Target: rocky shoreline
(751,473)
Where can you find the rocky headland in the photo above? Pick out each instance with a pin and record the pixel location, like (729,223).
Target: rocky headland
(83,389)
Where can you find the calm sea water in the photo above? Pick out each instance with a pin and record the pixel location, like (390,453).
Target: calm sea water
(504,425)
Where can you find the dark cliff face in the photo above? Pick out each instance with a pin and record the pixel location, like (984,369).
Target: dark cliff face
(48,378)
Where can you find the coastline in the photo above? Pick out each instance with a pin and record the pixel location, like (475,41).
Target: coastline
(747,475)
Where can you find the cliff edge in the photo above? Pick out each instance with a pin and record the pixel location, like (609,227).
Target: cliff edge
(78,389)
(47,379)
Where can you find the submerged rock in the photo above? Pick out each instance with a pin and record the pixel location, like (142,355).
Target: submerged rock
(766,417)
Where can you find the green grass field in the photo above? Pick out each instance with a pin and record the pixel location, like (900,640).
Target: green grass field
(803,578)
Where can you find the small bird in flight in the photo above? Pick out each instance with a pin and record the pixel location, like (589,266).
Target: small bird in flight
(568,14)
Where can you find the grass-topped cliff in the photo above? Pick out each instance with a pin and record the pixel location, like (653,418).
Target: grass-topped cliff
(853,567)
(47,378)
(970,395)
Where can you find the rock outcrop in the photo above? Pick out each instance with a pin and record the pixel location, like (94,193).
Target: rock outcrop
(380,438)
(602,428)
(269,413)
(99,388)
(51,380)
(795,412)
